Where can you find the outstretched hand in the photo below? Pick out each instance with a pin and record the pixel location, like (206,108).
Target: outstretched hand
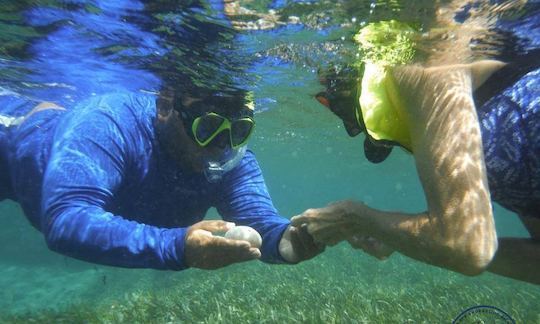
(205,251)
(343,221)
(332,224)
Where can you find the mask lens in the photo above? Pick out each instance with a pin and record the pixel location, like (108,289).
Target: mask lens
(240,131)
(207,127)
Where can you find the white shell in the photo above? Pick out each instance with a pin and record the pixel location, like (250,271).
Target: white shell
(245,233)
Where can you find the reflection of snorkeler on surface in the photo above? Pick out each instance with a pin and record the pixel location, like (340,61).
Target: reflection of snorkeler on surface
(457,147)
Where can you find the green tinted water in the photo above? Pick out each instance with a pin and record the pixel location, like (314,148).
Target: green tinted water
(308,161)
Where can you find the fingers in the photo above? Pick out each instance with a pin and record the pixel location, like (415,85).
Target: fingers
(214,225)
(305,217)
(336,212)
(220,252)
(206,251)
(326,232)
(330,234)
(299,220)
(303,243)
(233,251)
(309,215)
(303,235)
(237,247)
(357,242)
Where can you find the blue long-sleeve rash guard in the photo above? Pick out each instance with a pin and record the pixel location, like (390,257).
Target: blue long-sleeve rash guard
(95,181)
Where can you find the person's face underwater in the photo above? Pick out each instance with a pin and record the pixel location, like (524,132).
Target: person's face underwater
(343,108)
(201,133)
(341,97)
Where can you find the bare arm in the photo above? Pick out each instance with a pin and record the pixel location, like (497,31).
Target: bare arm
(457,232)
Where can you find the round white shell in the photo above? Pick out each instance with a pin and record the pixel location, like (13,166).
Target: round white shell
(245,233)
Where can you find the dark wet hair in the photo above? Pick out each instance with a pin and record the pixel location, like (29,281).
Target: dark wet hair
(203,62)
(342,91)
(197,102)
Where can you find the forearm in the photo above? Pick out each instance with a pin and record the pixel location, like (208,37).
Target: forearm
(93,235)
(517,258)
(425,238)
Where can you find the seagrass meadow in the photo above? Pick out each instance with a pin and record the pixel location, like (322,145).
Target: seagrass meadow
(352,290)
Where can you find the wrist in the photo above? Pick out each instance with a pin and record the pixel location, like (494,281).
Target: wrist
(176,254)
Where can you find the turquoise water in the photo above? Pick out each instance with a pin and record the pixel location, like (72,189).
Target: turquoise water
(308,161)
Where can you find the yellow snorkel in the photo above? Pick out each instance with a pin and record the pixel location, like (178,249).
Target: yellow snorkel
(383,45)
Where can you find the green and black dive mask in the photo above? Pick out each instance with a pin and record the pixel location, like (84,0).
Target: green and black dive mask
(342,98)
(221,121)
(217,118)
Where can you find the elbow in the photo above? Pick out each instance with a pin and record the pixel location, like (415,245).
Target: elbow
(52,239)
(474,257)
(470,241)
(469,249)
(474,267)
(54,232)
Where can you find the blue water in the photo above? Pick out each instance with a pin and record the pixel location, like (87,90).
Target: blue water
(64,51)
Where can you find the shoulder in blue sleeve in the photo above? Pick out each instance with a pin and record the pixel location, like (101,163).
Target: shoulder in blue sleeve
(103,143)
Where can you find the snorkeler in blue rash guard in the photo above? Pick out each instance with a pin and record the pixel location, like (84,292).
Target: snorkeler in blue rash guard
(126,179)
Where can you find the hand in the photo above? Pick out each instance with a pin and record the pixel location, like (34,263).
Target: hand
(332,224)
(205,251)
(297,245)
(371,246)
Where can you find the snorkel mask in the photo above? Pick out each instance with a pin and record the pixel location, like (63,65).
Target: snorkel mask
(228,135)
(213,127)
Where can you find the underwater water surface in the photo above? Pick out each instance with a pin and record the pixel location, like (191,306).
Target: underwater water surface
(307,160)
